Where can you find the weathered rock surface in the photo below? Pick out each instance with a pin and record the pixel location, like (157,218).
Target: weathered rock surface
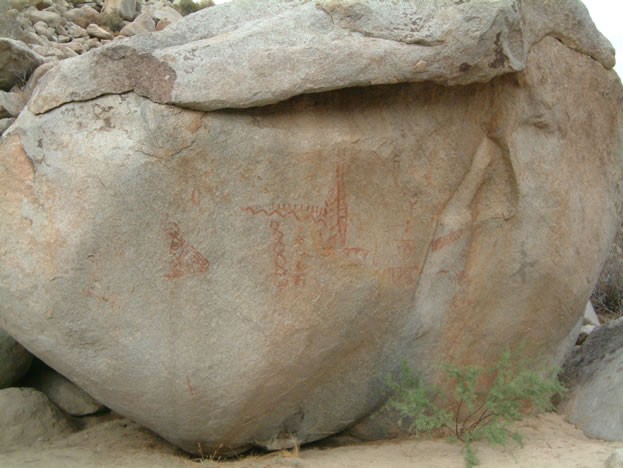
(27,416)
(17,61)
(62,391)
(594,373)
(246,277)
(14,359)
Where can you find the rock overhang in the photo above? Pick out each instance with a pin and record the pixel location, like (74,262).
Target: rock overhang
(249,53)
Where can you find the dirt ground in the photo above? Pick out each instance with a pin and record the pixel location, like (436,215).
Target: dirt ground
(549,442)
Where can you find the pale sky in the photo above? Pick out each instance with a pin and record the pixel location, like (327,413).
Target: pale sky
(607,15)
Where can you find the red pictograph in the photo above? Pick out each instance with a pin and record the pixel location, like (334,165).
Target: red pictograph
(446,239)
(321,230)
(183,258)
(281,272)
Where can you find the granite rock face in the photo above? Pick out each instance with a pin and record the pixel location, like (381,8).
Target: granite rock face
(233,277)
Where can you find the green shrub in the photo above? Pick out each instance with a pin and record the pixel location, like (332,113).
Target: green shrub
(186,7)
(416,402)
(113,21)
(475,414)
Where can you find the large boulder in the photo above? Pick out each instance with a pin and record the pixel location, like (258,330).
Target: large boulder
(232,277)
(594,374)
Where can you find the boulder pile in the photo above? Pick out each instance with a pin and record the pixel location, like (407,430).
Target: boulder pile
(47,31)
(233,229)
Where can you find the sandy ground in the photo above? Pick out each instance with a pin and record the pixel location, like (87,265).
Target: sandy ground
(549,442)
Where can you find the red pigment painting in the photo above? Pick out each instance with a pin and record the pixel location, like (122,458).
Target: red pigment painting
(184,258)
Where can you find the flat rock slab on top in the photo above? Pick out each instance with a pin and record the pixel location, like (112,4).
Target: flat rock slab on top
(262,52)
(249,277)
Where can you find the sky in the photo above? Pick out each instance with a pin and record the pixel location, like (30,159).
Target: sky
(608,17)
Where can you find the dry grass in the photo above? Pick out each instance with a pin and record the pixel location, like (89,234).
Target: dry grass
(607,297)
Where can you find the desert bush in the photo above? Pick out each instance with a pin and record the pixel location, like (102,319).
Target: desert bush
(186,7)
(417,403)
(607,297)
(467,412)
(113,21)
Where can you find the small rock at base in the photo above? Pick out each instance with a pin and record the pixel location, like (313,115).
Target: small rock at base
(615,460)
(61,391)
(28,416)
(95,31)
(590,317)
(142,24)
(4,124)
(92,43)
(77,32)
(11,104)
(41,28)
